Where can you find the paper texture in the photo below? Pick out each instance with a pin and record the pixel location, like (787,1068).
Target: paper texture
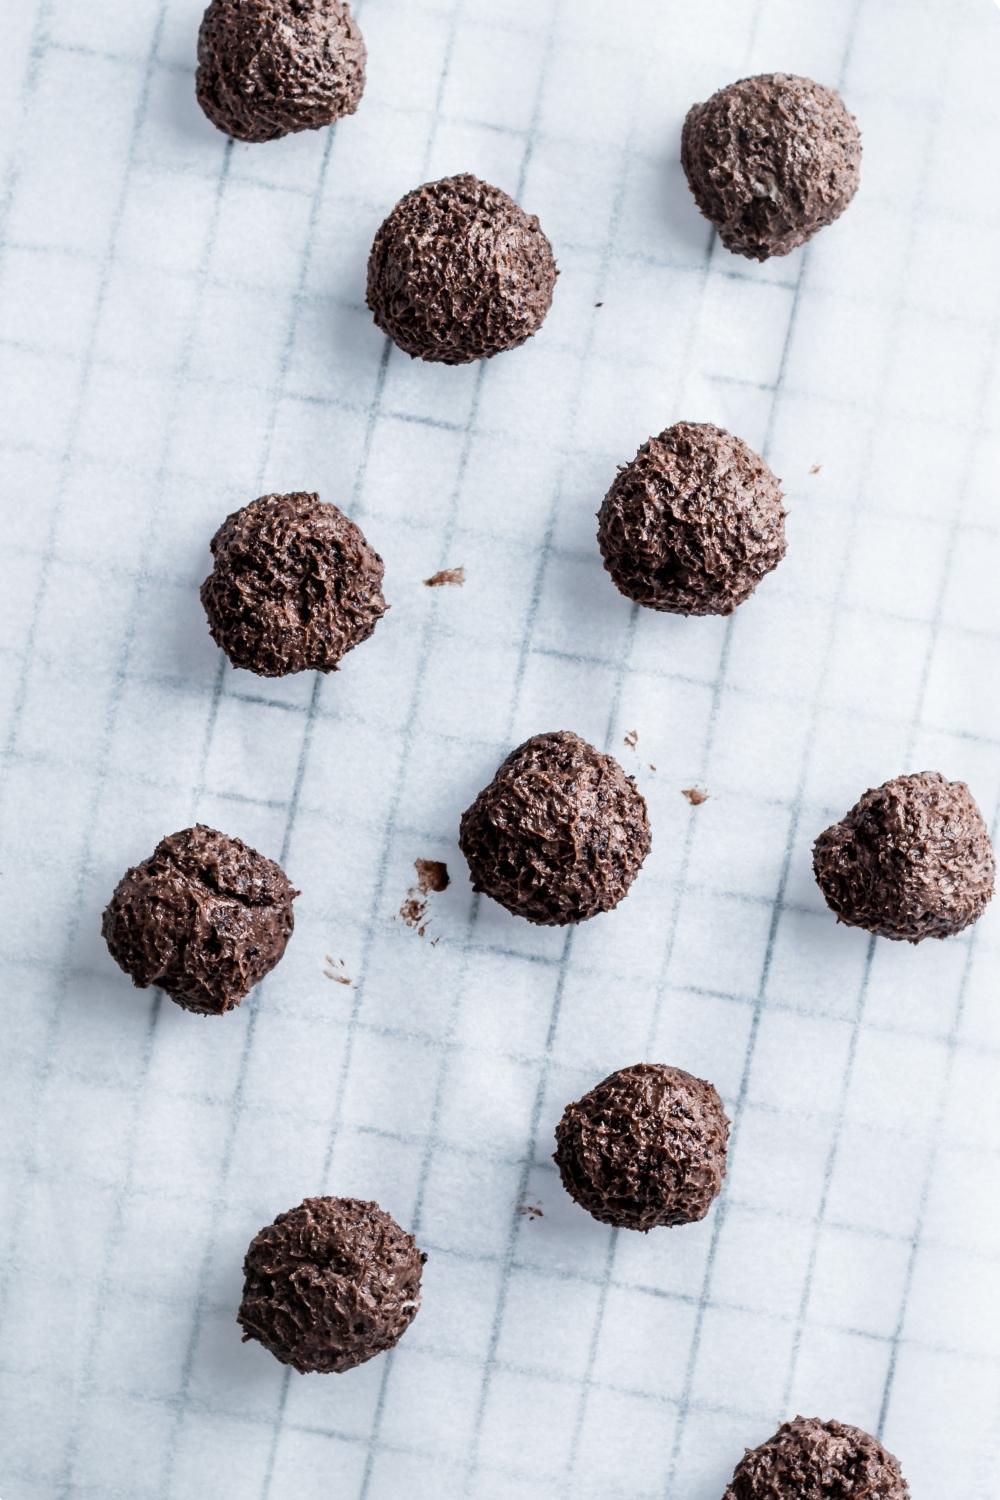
(182,328)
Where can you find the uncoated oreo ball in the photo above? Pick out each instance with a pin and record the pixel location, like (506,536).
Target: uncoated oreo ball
(807,1459)
(459,272)
(911,860)
(267,68)
(693,523)
(770,160)
(644,1148)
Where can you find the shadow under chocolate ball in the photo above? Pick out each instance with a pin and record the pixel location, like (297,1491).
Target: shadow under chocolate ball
(559,834)
(459,272)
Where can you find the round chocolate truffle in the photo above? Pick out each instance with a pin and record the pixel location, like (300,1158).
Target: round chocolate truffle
(330,1284)
(459,272)
(645,1148)
(812,1460)
(912,859)
(693,523)
(267,68)
(294,587)
(770,160)
(559,834)
(204,918)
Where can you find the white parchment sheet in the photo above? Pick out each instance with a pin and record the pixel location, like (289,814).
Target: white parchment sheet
(182,328)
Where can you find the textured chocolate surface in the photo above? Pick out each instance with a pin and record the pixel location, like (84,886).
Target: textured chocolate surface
(693,523)
(559,834)
(330,1284)
(204,918)
(295,586)
(459,272)
(645,1148)
(267,68)
(812,1460)
(770,160)
(912,859)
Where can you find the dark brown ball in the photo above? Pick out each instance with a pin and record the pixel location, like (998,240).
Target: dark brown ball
(770,160)
(912,859)
(559,834)
(204,918)
(645,1148)
(693,523)
(459,272)
(330,1284)
(812,1460)
(267,68)
(295,586)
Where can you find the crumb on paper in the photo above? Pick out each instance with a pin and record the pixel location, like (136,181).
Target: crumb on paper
(815,468)
(695,795)
(432,876)
(531,1211)
(331,970)
(598,304)
(651,766)
(632,738)
(446,576)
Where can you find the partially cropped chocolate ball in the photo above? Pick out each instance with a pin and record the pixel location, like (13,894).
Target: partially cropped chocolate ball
(812,1460)
(693,523)
(770,160)
(645,1148)
(267,68)
(295,586)
(204,918)
(459,272)
(559,834)
(911,860)
(330,1284)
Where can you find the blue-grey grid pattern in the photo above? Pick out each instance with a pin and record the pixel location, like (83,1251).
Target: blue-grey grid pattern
(181,327)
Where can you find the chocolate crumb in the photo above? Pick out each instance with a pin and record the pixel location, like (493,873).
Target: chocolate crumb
(695,795)
(651,766)
(598,304)
(432,875)
(454,576)
(632,738)
(530,1211)
(815,468)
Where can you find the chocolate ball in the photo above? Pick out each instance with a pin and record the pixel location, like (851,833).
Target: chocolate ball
(204,918)
(459,272)
(693,523)
(294,587)
(812,1460)
(645,1148)
(770,160)
(912,859)
(267,68)
(330,1284)
(559,834)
